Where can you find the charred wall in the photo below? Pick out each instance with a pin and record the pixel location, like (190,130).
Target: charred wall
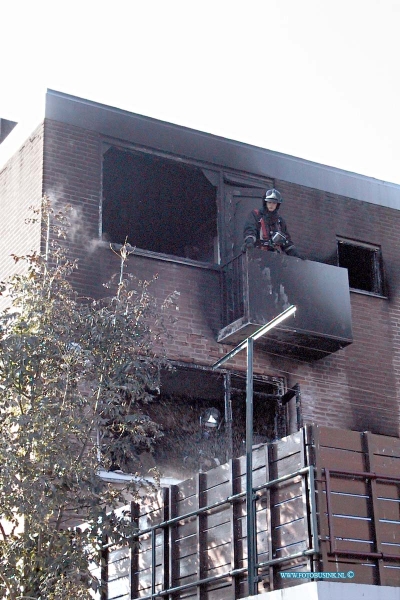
(354,388)
(357,386)
(72,176)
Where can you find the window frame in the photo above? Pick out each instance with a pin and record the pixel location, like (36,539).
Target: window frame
(377,265)
(209,171)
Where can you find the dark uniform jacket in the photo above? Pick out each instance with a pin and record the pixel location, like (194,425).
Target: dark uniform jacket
(265,237)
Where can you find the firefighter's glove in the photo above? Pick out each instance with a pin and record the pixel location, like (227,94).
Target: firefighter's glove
(248,243)
(292,251)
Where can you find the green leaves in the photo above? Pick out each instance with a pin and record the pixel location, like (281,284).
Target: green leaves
(74,384)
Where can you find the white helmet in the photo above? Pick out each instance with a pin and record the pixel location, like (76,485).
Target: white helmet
(273,196)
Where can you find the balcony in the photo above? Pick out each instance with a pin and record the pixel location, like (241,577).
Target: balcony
(259,285)
(326,501)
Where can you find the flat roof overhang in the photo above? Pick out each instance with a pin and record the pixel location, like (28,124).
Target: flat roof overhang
(216,151)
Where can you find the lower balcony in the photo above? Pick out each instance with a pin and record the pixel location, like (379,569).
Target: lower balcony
(326,502)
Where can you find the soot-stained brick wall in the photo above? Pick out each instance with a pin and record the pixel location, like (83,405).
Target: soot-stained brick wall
(355,388)
(72,176)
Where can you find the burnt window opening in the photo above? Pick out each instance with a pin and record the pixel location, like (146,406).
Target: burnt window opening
(204,426)
(269,418)
(364,265)
(158,204)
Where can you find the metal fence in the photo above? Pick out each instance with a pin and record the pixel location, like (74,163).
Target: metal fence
(233,290)
(358,493)
(326,500)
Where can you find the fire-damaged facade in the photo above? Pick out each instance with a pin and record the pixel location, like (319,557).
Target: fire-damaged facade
(180,198)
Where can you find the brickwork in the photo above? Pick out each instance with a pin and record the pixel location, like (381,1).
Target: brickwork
(355,388)
(72,175)
(20,188)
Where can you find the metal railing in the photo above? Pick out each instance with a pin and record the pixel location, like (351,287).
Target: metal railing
(366,476)
(233,290)
(349,480)
(306,474)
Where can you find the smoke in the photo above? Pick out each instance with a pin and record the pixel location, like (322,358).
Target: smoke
(79,230)
(94,244)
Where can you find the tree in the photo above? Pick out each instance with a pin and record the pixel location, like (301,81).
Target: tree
(75,377)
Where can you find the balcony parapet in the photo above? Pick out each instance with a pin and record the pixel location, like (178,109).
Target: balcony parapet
(259,285)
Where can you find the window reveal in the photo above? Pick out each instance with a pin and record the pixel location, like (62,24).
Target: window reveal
(364,265)
(159,204)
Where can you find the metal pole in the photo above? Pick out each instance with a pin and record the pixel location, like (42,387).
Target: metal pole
(251,517)
(256,335)
(250,520)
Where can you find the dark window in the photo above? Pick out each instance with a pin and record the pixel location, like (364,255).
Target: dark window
(159,204)
(364,265)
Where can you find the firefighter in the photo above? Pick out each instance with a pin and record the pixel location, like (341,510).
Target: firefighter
(265,229)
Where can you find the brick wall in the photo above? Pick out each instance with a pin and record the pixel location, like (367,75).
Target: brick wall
(72,175)
(20,188)
(355,388)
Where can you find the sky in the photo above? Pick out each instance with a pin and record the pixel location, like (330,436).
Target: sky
(316,79)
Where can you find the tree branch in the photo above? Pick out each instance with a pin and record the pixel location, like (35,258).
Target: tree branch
(9,588)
